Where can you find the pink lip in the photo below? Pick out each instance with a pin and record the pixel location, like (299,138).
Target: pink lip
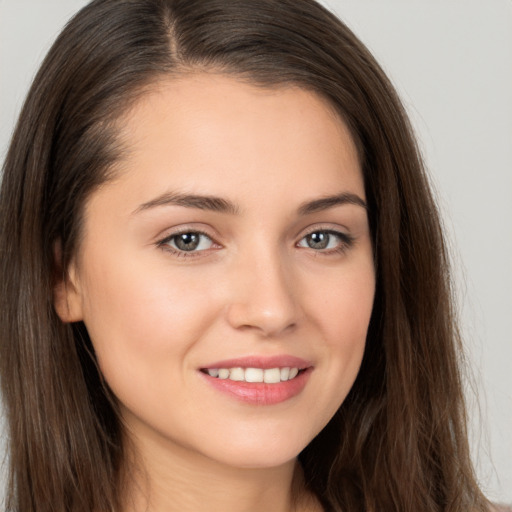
(260,393)
(264,362)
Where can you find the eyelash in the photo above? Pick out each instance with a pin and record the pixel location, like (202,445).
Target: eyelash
(346,242)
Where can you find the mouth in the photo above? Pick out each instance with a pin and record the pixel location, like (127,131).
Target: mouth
(257,380)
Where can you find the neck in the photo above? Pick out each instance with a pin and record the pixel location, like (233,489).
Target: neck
(181,481)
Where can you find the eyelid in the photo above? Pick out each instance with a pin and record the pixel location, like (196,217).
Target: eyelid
(328,228)
(188,227)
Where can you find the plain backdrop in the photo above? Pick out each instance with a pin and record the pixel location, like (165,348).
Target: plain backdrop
(451,61)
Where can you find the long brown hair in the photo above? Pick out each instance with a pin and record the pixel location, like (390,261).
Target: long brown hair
(398,442)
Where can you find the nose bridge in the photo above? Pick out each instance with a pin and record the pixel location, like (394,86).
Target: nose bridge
(263,296)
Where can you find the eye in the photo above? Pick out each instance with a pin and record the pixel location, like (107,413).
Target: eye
(325,240)
(189,241)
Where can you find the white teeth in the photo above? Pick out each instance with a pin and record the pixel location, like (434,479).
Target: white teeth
(269,375)
(254,375)
(223,373)
(272,376)
(237,374)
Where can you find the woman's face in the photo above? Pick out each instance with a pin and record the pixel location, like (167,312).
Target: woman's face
(232,247)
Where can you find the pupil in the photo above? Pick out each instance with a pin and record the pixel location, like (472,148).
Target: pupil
(318,240)
(187,241)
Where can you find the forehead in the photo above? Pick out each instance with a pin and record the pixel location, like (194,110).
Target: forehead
(208,132)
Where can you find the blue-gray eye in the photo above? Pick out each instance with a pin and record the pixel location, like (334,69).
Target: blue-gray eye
(190,241)
(321,240)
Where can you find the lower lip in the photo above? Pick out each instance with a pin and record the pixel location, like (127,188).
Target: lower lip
(260,393)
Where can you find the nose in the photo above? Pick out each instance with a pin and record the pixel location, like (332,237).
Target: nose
(263,298)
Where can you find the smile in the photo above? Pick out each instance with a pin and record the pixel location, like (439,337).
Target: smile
(254,375)
(259,380)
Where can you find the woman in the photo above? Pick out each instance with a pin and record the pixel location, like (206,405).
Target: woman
(225,279)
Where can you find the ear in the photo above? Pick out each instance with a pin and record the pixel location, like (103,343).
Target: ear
(67,297)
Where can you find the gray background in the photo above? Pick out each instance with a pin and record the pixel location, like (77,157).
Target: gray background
(451,60)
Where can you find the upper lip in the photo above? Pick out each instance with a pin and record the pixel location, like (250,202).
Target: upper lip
(264,362)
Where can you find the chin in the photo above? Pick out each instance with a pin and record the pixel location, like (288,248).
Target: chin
(259,452)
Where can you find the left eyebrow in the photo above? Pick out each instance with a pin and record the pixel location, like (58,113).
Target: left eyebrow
(212,203)
(324,203)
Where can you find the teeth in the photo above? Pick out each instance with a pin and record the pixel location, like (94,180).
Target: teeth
(236,374)
(272,376)
(223,373)
(293,373)
(254,375)
(269,376)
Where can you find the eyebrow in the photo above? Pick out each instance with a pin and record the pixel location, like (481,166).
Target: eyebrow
(218,204)
(324,203)
(211,203)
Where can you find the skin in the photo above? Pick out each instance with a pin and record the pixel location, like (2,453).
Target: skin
(254,287)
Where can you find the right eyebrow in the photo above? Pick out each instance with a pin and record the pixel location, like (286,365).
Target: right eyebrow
(324,203)
(211,203)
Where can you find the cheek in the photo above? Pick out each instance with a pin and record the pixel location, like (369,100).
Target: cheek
(140,319)
(145,327)
(342,313)
(343,307)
